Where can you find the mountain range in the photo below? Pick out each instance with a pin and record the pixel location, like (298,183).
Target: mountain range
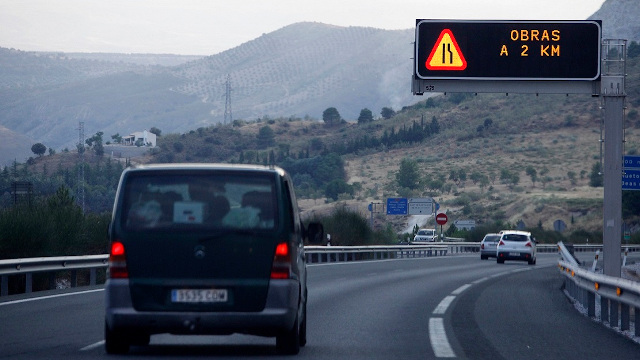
(299,70)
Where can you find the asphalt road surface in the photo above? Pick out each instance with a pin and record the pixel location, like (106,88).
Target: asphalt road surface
(429,308)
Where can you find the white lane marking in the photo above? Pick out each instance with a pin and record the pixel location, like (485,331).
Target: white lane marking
(438,336)
(444,305)
(93,346)
(48,297)
(480,280)
(461,289)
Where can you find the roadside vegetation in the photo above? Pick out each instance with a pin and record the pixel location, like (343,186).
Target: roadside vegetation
(503,161)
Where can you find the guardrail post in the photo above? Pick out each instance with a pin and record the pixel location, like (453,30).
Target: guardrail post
(28,286)
(92,276)
(52,281)
(74,278)
(4,285)
(604,309)
(613,313)
(624,317)
(637,321)
(591,304)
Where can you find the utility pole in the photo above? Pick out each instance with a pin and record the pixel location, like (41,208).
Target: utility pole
(228,117)
(613,93)
(81,150)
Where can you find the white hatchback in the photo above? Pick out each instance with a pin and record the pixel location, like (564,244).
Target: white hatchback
(516,245)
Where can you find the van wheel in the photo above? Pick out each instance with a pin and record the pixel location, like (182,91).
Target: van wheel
(303,327)
(288,343)
(114,343)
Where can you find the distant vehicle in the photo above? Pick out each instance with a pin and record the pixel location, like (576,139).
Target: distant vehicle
(516,245)
(488,246)
(425,235)
(206,249)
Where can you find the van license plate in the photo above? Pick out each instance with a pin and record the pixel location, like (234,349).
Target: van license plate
(199,295)
(514,254)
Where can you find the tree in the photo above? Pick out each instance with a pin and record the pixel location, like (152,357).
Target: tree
(95,142)
(266,137)
(331,116)
(408,176)
(116,138)
(532,173)
(38,149)
(337,187)
(387,113)
(156,131)
(435,126)
(365,116)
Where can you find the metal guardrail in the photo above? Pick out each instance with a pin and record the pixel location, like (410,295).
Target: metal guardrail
(619,298)
(52,265)
(315,254)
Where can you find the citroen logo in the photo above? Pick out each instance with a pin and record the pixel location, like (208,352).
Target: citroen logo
(198,252)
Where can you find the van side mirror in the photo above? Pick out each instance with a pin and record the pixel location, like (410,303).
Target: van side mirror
(315,233)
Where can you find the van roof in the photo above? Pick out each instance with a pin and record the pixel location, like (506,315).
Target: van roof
(208,166)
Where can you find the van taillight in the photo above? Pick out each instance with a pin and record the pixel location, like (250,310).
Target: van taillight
(281,268)
(117,261)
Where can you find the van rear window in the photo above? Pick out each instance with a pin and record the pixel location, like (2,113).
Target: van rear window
(162,200)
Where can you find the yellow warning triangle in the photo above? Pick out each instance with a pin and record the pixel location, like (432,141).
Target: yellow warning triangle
(446,54)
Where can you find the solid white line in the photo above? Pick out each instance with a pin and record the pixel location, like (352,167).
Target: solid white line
(93,346)
(438,337)
(461,289)
(480,280)
(444,305)
(48,297)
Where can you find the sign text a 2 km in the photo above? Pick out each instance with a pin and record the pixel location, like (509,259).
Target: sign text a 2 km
(508,50)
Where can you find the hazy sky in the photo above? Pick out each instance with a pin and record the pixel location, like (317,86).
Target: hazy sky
(206,27)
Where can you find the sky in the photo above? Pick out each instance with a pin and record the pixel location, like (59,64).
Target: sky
(207,27)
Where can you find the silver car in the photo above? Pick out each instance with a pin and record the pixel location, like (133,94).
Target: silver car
(488,246)
(516,245)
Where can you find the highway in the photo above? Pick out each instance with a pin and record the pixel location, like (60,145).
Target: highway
(427,308)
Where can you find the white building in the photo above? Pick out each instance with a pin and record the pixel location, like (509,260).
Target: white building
(144,138)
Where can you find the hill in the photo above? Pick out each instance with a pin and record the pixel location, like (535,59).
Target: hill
(619,19)
(295,71)
(492,135)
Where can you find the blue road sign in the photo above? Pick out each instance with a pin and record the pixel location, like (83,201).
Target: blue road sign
(631,162)
(631,180)
(397,206)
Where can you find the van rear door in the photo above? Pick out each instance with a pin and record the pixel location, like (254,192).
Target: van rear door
(198,240)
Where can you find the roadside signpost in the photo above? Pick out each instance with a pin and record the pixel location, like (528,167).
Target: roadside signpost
(420,206)
(520,56)
(631,173)
(441,219)
(397,206)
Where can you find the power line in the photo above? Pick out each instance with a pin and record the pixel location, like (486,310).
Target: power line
(227,104)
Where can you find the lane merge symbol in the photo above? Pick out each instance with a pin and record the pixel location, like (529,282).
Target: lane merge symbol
(446,54)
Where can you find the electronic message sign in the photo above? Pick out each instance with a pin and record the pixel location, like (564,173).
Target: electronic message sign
(507,50)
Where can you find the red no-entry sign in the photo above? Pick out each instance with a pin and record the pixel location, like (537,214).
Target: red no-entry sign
(441,218)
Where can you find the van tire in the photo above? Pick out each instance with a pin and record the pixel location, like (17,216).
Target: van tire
(114,343)
(288,343)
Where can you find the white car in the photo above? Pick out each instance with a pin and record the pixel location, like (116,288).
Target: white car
(488,246)
(425,235)
(516,245)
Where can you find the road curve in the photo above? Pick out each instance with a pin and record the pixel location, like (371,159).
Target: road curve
(456,307)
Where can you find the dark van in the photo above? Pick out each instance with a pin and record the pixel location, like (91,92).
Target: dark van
(206,249)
